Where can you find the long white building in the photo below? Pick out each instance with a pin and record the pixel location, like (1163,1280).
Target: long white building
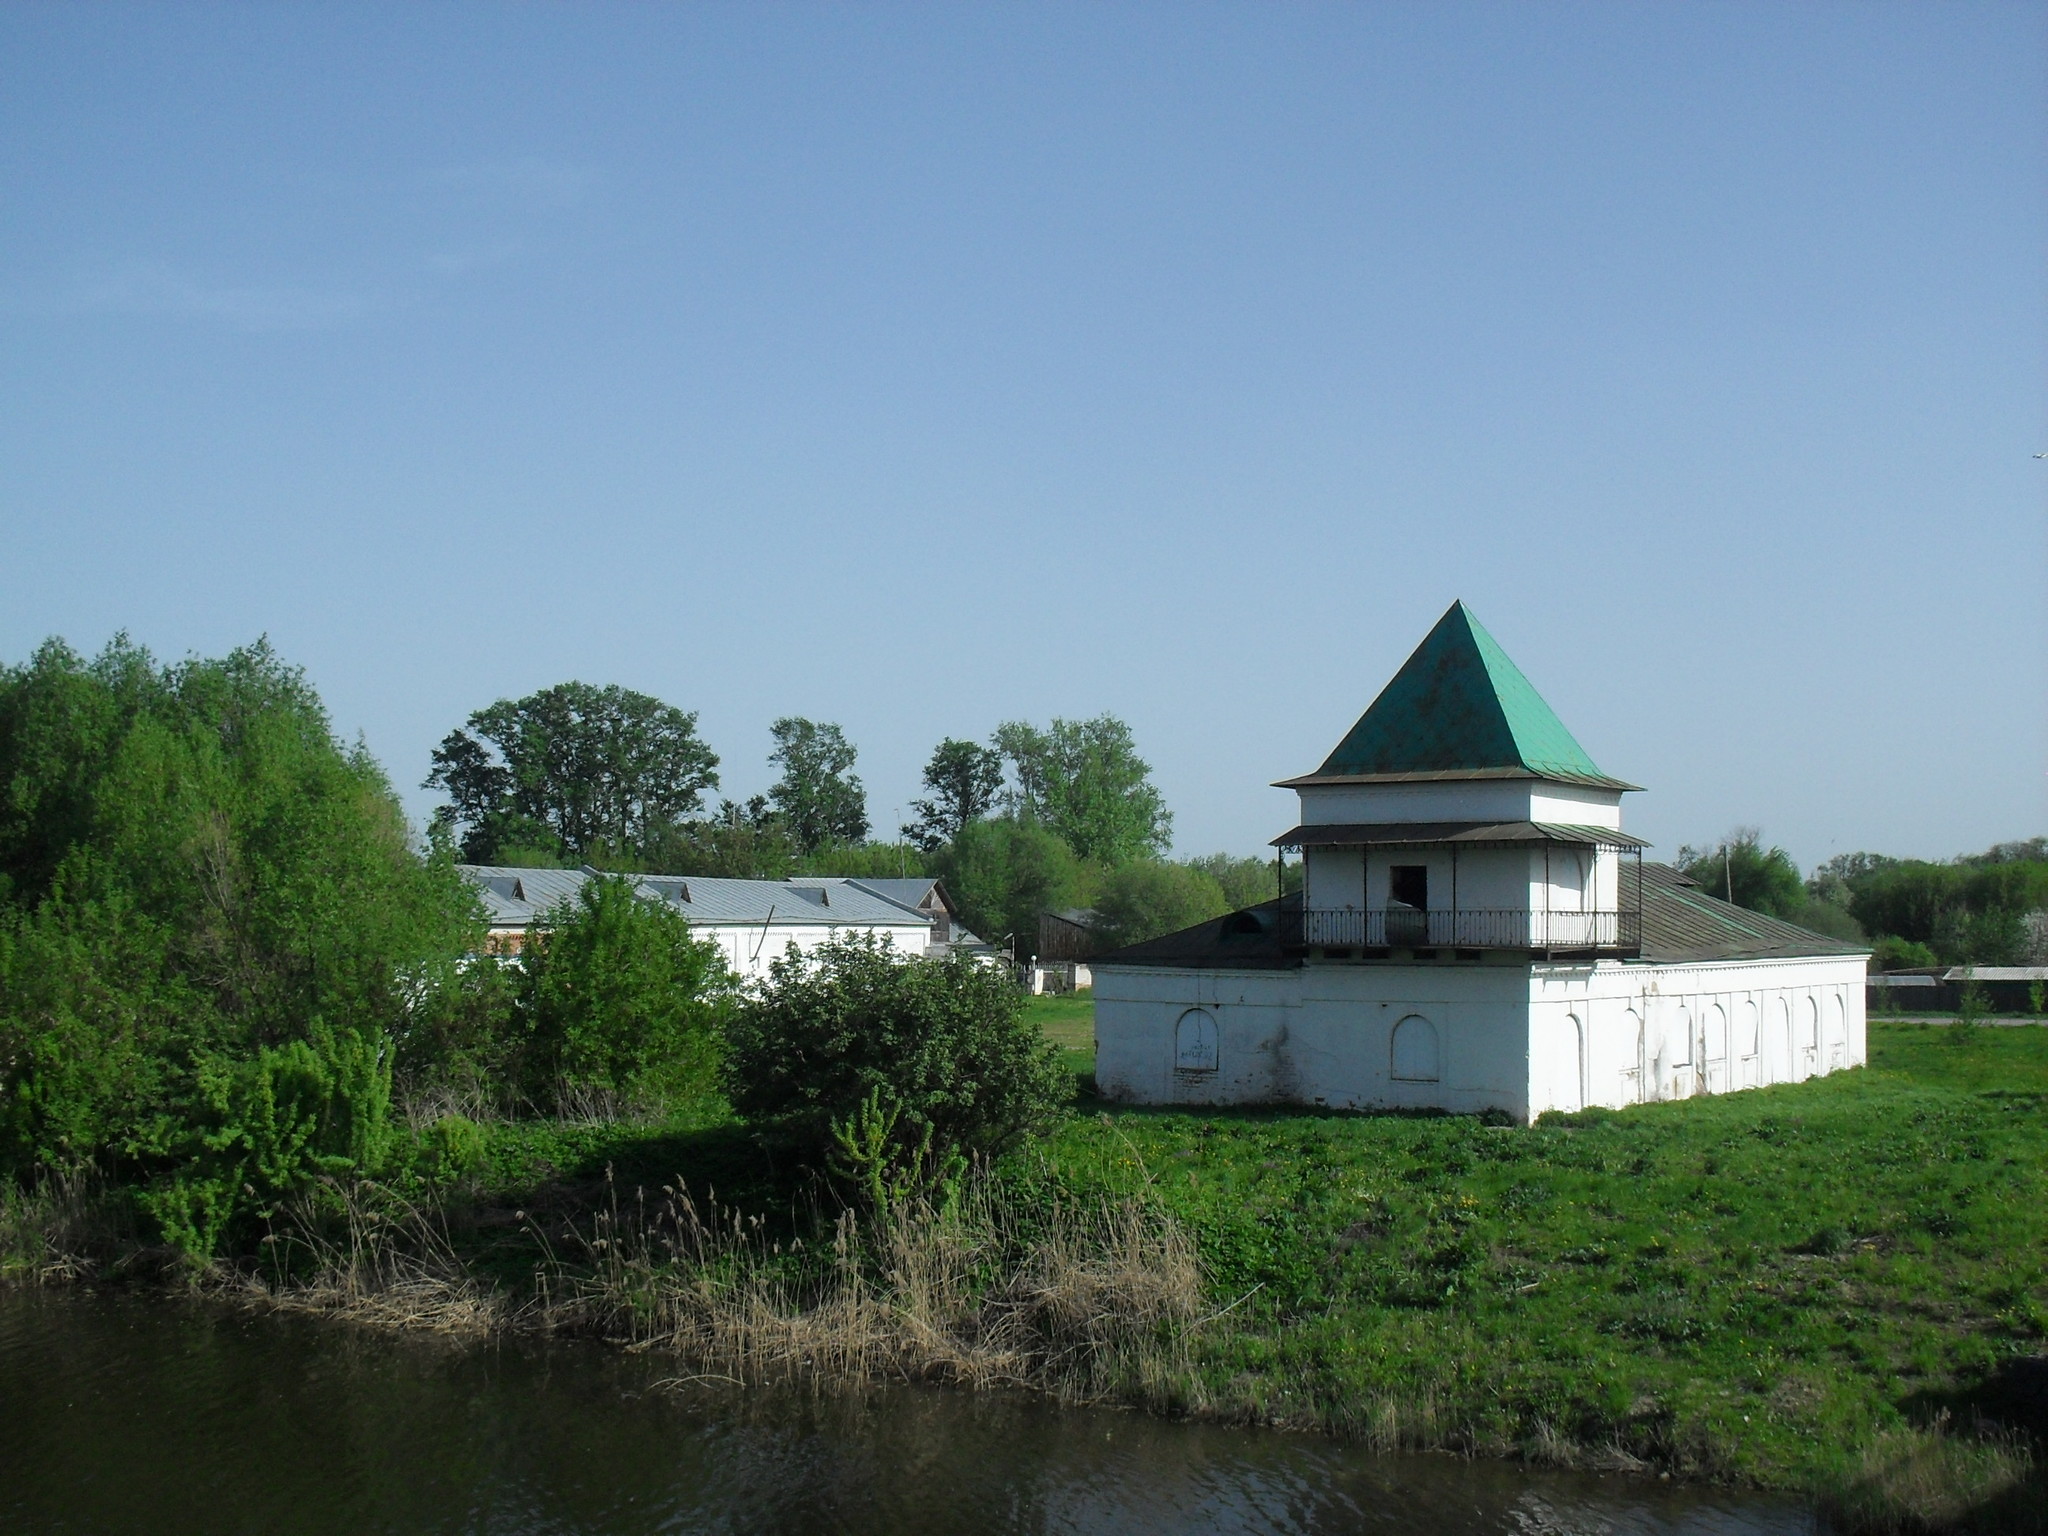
(1475,931)
(754,922)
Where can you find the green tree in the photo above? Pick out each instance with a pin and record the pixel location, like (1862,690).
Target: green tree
(1740,869)
(1084,780)
(864,861)
(213,923)
(1246,882)
(740,842)
(964,778)
(1148,897)
(620,999)
(818,798)
(1003,873)
(934,1056)
(574,769)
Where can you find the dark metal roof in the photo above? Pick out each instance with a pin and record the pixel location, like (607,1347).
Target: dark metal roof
(1681,924)
(1243,941)
(1352,834)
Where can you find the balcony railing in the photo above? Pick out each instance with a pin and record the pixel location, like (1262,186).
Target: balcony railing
(1600,933)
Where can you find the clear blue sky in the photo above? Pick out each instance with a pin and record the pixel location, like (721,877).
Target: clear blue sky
(920,368)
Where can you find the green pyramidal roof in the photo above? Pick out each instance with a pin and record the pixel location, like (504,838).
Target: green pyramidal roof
(1458,707)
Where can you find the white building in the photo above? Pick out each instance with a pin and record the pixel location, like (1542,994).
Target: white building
(753,921)
(1475,931)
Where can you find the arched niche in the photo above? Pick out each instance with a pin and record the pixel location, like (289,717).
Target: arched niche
(1634,1063)
(1417,1052)
(1716,1030)
(1748,1044)
(1194,1044)
(1564,1064)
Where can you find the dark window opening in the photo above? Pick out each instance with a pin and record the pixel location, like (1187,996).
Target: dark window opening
(1408,884)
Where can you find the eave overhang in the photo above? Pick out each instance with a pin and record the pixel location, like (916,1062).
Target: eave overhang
(1469,834)
(1455,776)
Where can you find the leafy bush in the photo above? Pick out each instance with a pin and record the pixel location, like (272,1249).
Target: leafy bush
(1895,954)
(212,921)
(619,999)
(260,1129)
(910,1062)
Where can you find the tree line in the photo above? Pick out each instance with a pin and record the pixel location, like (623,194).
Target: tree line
(1064,816)
(232,981)
(1988,908)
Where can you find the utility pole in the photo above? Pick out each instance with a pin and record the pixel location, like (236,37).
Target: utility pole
(1728,869)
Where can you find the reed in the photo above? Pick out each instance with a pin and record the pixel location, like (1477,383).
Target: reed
(1934,1478)
(67,1227)
(1089,1302)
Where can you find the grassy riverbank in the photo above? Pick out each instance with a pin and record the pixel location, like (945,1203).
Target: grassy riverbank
(1829,1286)
(1763,1286)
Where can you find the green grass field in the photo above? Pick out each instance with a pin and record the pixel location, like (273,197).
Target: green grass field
(1746,1286)
(1784,1287)
(1068,1020)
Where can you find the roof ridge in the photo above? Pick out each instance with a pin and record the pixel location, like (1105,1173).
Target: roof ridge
(1459,704)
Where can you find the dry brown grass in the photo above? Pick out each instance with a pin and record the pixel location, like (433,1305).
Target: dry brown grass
(64,1229)
(1089,1304)
(1932,1478)
(385,1263)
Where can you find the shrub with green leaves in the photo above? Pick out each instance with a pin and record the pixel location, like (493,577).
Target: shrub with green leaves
(212,921)
(1892,953)
(619,999)
(850,1043)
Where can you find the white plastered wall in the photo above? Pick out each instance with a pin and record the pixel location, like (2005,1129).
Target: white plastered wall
(1318,1035)
(1461,800)
(749,949)
(1519,1038)
(1650,1031)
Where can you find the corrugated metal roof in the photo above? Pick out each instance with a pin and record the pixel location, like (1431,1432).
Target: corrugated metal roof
(1458,705)
(1682,922)
(712,902)
(913,891)
(1411,833)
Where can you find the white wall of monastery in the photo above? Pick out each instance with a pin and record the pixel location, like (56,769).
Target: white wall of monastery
(1519,1038)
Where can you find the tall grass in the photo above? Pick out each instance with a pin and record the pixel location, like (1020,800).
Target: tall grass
(1930,1478)
(65,1228)
(1085,1301)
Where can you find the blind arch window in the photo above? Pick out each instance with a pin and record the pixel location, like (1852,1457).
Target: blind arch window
(1417,1052)
(1194,1043)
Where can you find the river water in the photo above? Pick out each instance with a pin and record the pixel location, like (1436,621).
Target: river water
(135,1414)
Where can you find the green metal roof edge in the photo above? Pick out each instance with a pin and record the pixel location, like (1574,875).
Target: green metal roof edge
(1546,746)
(1487,715)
